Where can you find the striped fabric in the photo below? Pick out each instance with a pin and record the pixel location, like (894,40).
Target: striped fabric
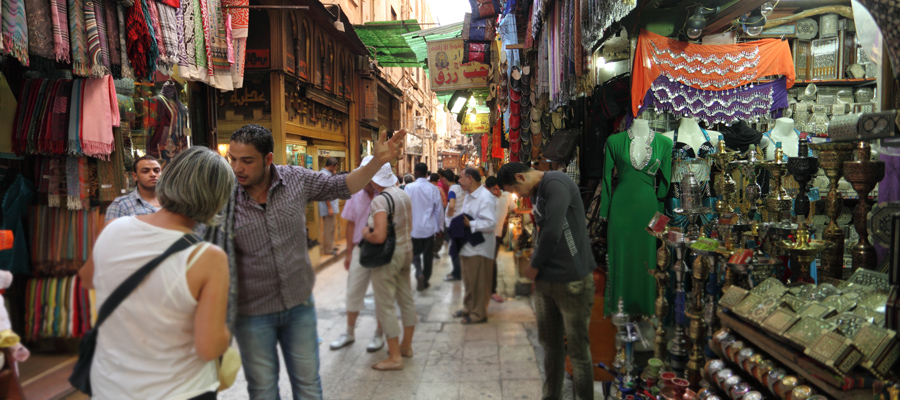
(95,53)
(60,17)
(77,39)
(15,30)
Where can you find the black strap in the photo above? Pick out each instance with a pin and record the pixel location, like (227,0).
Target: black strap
(132,282)
(390,207)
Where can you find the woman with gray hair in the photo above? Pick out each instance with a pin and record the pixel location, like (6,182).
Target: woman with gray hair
(391,281)
(163,339)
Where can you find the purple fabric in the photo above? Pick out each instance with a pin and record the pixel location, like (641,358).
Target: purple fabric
(713,106)
(356,210)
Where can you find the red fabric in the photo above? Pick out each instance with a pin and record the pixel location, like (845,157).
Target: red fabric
(774,59)
(496,150)
(171,3)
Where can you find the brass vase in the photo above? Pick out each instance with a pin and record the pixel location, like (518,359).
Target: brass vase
(832,156)
(863,174)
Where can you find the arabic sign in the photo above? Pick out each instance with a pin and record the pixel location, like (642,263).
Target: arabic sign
(258,59)
(447,70)
(482,124)
(370,101)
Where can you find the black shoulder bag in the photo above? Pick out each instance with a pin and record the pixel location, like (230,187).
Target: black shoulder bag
(376,255)
(81,374)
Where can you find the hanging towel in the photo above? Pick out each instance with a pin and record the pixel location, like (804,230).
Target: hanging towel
(102,106)
(60,16)
(15,30)
(77,38)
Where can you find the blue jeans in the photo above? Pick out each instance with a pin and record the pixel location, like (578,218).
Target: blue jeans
(295,330)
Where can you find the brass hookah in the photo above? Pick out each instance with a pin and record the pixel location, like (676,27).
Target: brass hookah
(662,276)
(832,156)
(863,174)
(725,184)
(778,201)
(803,249)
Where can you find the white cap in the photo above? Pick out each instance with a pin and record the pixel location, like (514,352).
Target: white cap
(364,161)
(385,176)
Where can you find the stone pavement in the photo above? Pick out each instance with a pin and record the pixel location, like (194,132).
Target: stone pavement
(496,360)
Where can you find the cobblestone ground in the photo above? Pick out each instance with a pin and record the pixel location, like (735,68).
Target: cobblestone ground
(496,360)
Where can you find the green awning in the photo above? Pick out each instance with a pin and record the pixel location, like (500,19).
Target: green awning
(417,41)
(386,43)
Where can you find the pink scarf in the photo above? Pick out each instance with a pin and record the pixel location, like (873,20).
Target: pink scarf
(100,109)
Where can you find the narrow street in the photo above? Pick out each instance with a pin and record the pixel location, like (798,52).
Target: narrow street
(496,360)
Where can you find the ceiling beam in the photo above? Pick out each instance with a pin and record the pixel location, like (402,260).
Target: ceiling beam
(730,12)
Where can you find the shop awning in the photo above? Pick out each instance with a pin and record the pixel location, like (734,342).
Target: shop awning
(386,43)
(417,41)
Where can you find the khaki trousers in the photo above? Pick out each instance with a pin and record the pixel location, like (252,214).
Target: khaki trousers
(328,234)
(476,275)
(392,286)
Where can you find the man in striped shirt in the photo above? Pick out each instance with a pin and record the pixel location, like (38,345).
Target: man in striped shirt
(265,235)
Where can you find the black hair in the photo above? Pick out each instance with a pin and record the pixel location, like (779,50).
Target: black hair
(147,157)
(490,182)
(506,176)
(473,173)
(258,136)
(455,178)
(421,170)
(448,174)
(331,161)
(435,177)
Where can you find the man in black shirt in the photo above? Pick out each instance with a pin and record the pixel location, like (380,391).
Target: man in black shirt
(561,267)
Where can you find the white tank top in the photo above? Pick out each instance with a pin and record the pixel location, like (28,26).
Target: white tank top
(145,349)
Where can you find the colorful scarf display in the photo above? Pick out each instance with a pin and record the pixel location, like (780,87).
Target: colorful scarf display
(127,71)
(187,56)
(58,308)
(745,103)
(15,30)
(95,48)
(62,239)
(60,16)
(168,25)
(73,142)
(81,66)
(708,67)
(73,184)
(152,14)
(111,20)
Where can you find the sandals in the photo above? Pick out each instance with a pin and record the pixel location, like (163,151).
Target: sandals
(468,321)
(388,366)
(460,314)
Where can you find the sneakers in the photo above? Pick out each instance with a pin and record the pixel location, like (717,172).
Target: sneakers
(343,341)
(375,344)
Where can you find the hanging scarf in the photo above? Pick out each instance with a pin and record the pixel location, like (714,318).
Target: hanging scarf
(60,17)
(152,14)
(73,184)
(708,67)
(59,119)
(101,103)
(187,55)
(111,19)
(73,144)
(141,45)
(95,51)
(100,14)
(21,118)
(15,30)
(168,25)
(40,28)
(240,23)
(202,32)
(77,39)
(37,116)
(127,71)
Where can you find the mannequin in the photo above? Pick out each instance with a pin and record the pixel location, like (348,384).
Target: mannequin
(785,133)
(643,160)
(691,134)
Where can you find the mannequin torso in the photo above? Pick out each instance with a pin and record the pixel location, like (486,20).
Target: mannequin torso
(691,134)
(782,132)
(640,131)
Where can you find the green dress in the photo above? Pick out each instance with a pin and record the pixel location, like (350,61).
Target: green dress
(630,206)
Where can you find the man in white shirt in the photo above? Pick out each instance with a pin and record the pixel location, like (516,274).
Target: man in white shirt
(456,197)
(504,206)
(427,214)
(479,216)
(329,210)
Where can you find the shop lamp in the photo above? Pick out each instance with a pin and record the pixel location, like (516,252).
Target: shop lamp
(754,22)
(697,21)
(472,117)
(223,150)
(767,8)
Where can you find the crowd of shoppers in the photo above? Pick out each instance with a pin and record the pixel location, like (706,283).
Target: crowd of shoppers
(252,277)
